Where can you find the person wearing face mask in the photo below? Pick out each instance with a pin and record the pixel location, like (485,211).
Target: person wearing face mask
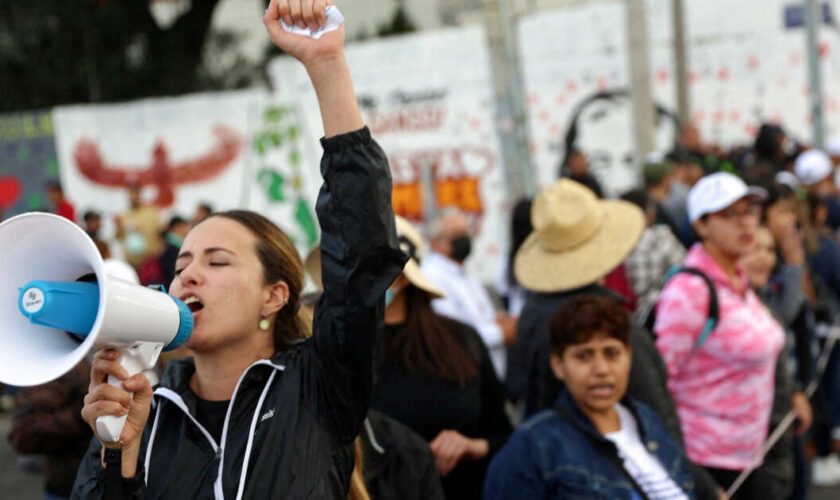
(260,410)
(722,382)
(466,298)
(595,441)
(435,375)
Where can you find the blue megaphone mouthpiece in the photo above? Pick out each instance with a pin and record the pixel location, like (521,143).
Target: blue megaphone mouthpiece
(70,306)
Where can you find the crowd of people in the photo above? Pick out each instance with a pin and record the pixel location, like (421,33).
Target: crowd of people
(641,347)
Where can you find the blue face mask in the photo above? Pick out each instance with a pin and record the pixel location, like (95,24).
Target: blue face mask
(389,296)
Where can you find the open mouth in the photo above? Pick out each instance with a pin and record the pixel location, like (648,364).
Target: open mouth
(194,304)
(602,390)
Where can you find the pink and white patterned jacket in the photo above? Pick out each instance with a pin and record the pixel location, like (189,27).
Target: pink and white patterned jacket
(723,390)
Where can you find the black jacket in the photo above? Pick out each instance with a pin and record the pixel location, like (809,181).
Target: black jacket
(292,418)
(398,463)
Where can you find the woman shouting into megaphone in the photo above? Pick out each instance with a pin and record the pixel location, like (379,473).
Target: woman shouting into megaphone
(258,412)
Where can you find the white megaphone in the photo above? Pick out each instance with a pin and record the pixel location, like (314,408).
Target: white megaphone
(57,302)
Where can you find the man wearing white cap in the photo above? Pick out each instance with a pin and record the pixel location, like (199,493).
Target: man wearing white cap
(721,378)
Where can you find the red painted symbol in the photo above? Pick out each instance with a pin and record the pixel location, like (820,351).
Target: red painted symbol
(162,173)
(9,191)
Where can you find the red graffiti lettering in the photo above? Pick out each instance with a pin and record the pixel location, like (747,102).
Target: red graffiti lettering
(413,119)
(164,175)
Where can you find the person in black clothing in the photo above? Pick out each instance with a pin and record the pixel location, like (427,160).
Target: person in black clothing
(435,375)
(576,167)
(259,412)
(397,462)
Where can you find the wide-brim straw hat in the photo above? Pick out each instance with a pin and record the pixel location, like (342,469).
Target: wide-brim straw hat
(577,239)
(412,243)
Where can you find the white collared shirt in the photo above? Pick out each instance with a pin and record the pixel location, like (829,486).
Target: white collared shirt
(466,301)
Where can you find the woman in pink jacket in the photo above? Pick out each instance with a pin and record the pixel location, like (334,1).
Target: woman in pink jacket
(721,378)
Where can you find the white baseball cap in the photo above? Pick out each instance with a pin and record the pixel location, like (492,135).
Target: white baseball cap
(788,179)
(832,146)
(812,166)
(715,192)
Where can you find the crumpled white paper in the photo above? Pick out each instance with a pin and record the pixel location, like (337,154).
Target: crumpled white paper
(334,21)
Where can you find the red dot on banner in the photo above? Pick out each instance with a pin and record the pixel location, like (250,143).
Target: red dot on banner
(533,99)
(734,115)
(698,116)
(806,91)
(823,50)
(544,116)
(560,100)
(809,119)
(662,76)
(795,58)
(719,116)
(753,62)
(475,123)
(602,83)
(782,81)
(776,118)
(492,249)
(571,86)
(693,77)
(554,130)
(723,73)
(750,129)
(534,148)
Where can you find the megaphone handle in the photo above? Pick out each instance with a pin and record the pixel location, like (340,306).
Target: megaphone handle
(134,359)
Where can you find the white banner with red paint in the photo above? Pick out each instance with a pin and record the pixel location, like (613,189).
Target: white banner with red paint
(181,151)
(428,101)
(576,74)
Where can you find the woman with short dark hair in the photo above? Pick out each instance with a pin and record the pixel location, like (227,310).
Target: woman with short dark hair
(595,442)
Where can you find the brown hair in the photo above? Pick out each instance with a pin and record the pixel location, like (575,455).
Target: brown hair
(281,262)
(428,344)
(358,489)
(579,319)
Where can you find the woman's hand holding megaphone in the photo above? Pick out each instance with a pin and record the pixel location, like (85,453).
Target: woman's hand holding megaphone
(106,399)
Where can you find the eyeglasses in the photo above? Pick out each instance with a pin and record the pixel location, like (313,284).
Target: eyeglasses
(752,210)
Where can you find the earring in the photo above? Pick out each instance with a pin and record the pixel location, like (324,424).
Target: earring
(264,324)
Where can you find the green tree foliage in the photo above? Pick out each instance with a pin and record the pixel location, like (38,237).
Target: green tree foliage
(79,51)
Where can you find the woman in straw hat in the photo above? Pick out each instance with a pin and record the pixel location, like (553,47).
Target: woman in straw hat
(577,240)
(437,377)
(721,376)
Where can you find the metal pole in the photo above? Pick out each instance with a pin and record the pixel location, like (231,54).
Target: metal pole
(640,92)
(681,63)
(512,126)
(812,22)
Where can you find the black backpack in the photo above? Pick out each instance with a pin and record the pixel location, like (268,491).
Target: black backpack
(648,320)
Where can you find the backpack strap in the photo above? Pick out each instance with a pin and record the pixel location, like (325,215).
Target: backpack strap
(713,314)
